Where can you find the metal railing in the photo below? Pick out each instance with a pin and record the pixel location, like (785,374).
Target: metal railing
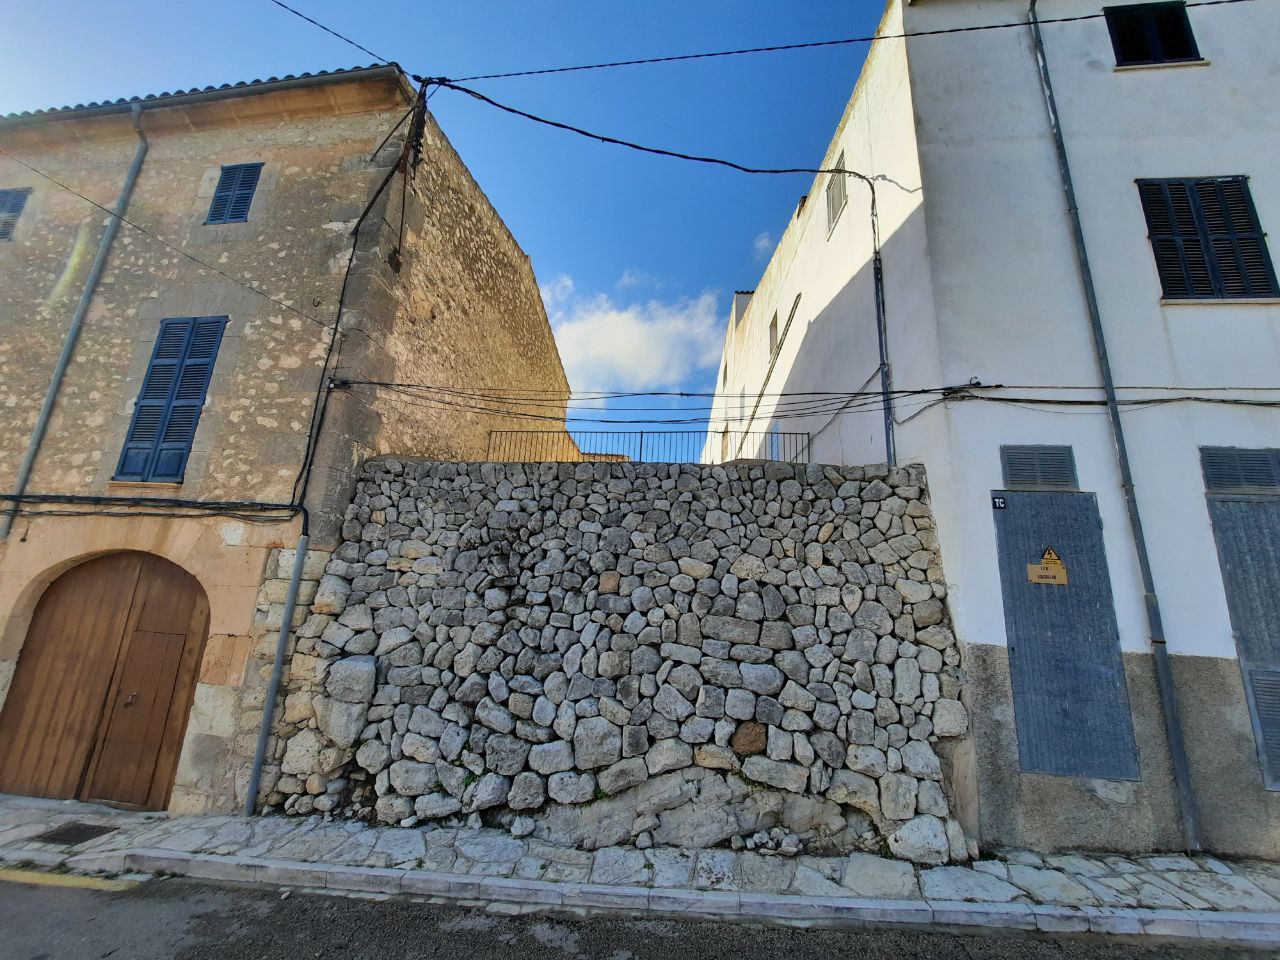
(645,446)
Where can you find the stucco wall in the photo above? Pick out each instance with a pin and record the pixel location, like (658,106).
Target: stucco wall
(831,344)
(997,296)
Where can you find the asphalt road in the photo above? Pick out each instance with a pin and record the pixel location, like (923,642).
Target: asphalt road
(184,920)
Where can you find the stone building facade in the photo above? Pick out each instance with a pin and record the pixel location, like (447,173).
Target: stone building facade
(442,295)
(658,654)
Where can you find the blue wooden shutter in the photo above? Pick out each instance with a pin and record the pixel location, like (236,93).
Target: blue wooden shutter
(168,409)
(234,193)
(11,204)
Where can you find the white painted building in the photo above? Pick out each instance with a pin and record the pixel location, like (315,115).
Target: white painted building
(1171,136)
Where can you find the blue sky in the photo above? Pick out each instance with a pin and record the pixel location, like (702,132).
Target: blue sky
(638,255)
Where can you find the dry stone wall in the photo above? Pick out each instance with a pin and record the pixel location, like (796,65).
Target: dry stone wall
(661,654)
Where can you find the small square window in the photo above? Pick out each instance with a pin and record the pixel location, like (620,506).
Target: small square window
(1149,33)
(836,196)
(11,203)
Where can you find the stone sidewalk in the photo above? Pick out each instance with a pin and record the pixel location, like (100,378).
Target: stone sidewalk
(1196,898)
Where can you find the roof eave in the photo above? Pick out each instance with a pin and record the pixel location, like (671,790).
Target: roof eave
(244,89)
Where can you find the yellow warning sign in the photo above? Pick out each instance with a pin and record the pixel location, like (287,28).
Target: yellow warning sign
(1050,569)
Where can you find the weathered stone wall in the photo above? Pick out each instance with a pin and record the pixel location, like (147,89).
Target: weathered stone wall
(316,178)
(652,653)
(463,311)
(462,316)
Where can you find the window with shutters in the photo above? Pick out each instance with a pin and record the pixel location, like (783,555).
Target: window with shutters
(1207,240)
(1038,467)
(234,193)
(159,440)
(1148,33)
(836,196)
(11,203)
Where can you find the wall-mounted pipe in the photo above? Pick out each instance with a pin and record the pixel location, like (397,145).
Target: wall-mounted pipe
(277,670)
(1155,626)
(882,336)
(77,323)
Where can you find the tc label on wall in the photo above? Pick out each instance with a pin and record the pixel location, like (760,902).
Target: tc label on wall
(1050,569)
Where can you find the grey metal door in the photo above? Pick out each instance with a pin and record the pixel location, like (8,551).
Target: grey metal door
(1247,531)
(1071,705)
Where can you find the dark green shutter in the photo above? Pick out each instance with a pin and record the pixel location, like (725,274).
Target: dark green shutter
(1206,239)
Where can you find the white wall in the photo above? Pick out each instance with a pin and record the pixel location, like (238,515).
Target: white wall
(832,345)
(981,281)
(1010,306)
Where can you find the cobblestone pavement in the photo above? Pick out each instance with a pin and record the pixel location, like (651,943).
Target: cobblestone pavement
(1167,895)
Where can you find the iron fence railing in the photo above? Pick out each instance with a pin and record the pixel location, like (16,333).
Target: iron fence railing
(646,446)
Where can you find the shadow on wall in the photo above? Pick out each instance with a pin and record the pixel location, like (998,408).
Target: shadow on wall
(837,349)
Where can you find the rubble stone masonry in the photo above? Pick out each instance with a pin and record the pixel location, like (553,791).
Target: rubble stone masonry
(659,654)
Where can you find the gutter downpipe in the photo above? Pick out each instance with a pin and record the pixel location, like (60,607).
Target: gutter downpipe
(77,323)
(277,670)
(882,336)
(1155,626)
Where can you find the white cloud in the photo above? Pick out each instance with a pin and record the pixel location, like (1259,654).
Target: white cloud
(557,292)
(762,245)
(650,345)
(638,278)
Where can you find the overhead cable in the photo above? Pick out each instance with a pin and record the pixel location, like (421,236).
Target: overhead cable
(176,249)
(331,31)
(743,51)
(809,45)
(631,145)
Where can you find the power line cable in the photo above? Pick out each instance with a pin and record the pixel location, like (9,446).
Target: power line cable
(343,38)
(781,47)
(417,399)
(631,145)
(549,397)
(615,394)
(714,54)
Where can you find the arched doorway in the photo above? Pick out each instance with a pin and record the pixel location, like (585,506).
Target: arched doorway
(99,702)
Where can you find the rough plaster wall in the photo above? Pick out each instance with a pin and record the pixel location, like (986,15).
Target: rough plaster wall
(716,649)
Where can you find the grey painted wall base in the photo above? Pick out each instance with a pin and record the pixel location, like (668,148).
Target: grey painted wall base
(1047,813)
(1239,816)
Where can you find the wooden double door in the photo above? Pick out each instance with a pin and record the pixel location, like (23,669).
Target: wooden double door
(98,705)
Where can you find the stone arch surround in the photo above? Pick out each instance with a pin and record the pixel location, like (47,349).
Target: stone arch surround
(228,559)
